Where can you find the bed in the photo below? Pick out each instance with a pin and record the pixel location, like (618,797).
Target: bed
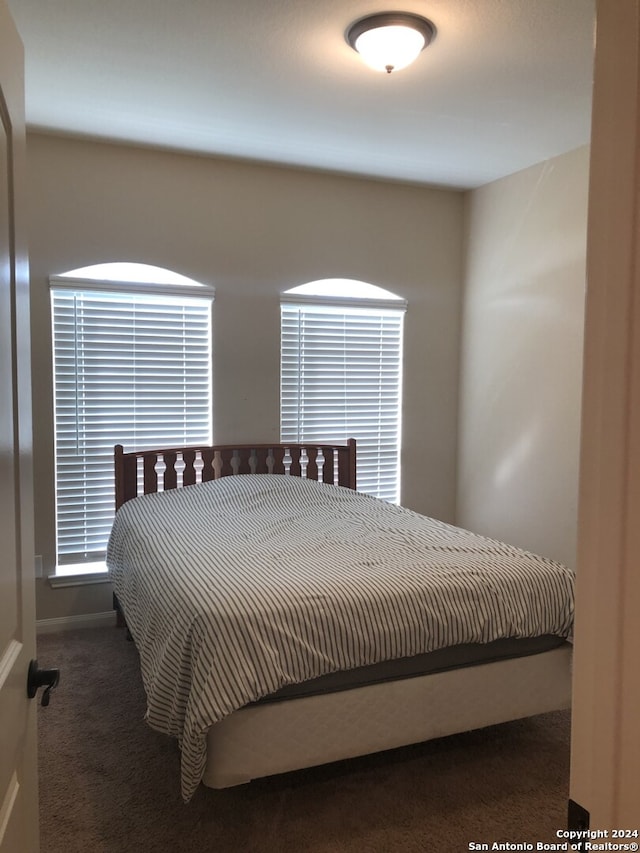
(285,620)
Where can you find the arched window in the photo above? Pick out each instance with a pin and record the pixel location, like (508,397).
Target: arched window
(132,366)
(341,374)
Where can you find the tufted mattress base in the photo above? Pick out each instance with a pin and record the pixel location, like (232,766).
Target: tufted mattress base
(277,737)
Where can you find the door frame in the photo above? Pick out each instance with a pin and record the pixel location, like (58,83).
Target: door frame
(605,744)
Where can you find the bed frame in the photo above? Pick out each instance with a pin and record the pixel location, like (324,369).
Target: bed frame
(145,471)
(276,737)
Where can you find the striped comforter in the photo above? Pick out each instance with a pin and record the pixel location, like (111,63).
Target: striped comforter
(237,587)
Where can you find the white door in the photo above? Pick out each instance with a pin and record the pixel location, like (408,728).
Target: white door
(18,773)
(605,749)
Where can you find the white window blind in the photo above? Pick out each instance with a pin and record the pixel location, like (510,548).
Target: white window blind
(132,368)
(341,377)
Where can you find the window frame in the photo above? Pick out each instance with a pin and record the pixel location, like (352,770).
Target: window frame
(67,574)
(388,303)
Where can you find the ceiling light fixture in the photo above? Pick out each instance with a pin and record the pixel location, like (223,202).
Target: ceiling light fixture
(391,40)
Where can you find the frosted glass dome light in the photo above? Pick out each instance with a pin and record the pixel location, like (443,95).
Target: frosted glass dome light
(391,40)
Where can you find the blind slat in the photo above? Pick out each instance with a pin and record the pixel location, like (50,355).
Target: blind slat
(131,368)
(341,376)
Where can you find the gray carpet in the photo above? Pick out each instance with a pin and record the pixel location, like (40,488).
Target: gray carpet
(109,783)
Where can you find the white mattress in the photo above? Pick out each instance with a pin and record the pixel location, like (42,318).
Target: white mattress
(262,740)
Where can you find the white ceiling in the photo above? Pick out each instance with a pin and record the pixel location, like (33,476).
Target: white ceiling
(505,83)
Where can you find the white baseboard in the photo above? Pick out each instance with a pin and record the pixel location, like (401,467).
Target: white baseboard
(67,623)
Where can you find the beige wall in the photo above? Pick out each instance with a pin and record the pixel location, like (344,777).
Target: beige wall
(521,360)
(252,231)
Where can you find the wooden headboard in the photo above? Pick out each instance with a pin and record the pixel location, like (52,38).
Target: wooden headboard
(144,471)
